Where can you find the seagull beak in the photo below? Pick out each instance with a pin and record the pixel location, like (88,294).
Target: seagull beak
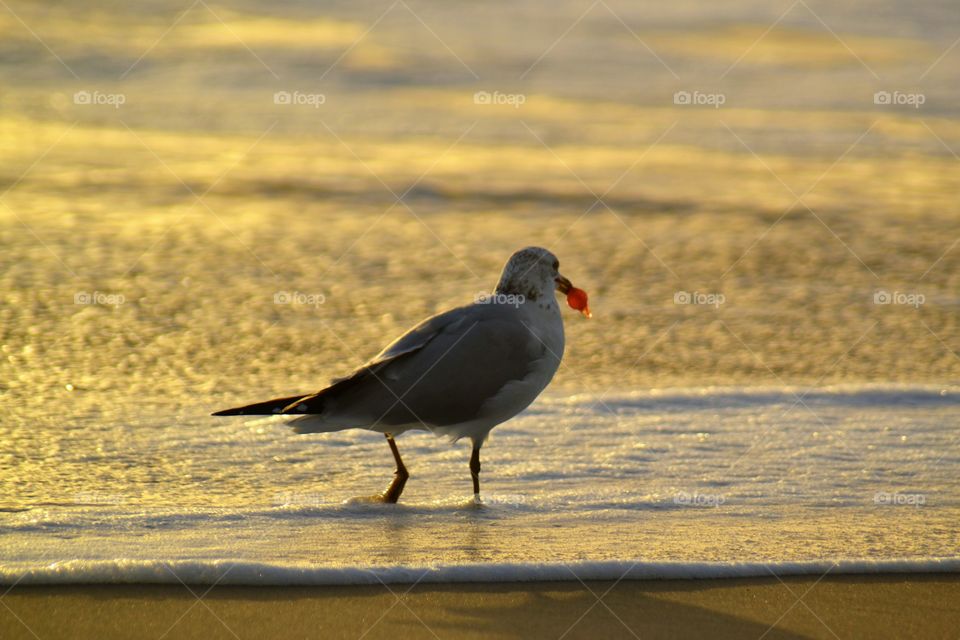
(563,285)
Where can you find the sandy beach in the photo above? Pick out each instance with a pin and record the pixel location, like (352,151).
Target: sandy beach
(904,606)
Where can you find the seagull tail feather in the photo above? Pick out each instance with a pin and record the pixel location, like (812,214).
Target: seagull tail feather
(266,408)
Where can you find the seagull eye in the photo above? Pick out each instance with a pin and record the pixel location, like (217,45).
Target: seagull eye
(556,265)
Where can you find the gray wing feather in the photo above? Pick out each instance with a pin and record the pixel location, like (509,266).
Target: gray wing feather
(421,334)
(440,373)
(413,340)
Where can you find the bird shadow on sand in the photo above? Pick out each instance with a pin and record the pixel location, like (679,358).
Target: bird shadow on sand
(579,610)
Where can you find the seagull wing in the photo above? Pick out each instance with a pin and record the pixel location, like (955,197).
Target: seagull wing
(441,372)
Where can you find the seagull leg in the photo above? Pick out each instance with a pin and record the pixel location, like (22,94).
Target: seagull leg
(475,471)
(392,493)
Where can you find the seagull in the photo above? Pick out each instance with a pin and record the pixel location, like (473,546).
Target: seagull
(458,374)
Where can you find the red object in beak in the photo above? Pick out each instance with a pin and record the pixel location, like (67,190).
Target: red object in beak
(577,299)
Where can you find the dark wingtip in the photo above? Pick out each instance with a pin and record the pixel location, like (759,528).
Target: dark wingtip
(268,408)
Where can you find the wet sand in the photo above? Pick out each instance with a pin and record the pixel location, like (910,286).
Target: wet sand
(886,606)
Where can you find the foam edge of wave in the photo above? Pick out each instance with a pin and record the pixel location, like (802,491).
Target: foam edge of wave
(245,573)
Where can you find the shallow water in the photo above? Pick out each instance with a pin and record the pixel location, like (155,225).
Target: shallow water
(688,476)
(204,244)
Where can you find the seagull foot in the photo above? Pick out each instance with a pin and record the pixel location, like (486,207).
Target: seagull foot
(392,493)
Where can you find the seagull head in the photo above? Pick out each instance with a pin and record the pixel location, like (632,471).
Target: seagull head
(534,273)
(531,272)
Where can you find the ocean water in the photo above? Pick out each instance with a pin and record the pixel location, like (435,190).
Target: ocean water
(697,480)
(208,205)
